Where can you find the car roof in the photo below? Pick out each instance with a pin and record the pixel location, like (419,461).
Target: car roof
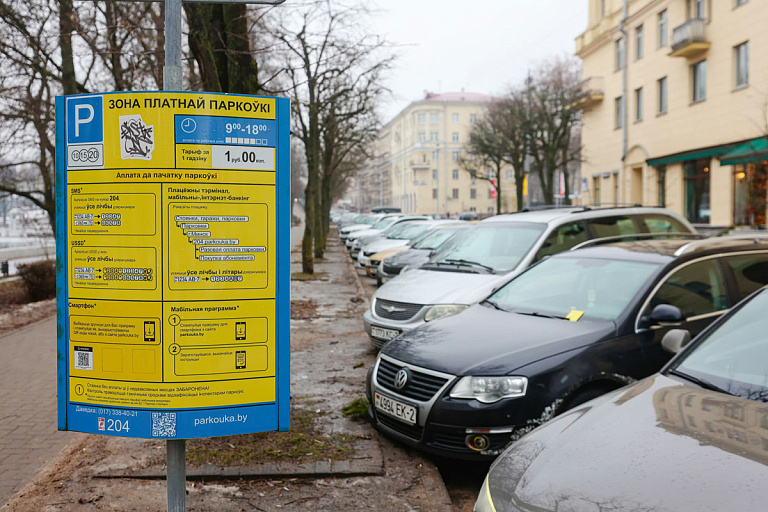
(666,250)
(553,214)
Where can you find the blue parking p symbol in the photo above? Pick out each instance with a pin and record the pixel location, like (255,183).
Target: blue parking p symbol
(85,119)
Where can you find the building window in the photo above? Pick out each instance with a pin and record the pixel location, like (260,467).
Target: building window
(455,193)
(510,174)
(434,118)
(639,104)
(661,181)
(422,118)
(455,156)
(491,174)
(619,108)
(699,81)
(455,137)
(663,28)
(639,42)
(422,137)
(620,54)
(455,174)
(699,9)
(596,190)
(490,192)
(455,118)
(472,118)
(741,56)
(473,193)
(434,193)
(434,155)
(434,174)
(697,207)
(662,89)
(602,8)
(433,136)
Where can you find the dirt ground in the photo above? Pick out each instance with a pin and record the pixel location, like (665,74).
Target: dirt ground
(329,361)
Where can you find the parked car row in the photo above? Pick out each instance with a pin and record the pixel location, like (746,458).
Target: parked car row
(525,317)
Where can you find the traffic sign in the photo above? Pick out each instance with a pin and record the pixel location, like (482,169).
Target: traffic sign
(173,226)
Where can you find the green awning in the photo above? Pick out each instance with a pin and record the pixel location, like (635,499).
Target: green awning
(750,151)
(691,155)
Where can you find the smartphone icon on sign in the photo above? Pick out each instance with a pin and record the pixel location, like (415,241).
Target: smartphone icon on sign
(239,331)
(149,331)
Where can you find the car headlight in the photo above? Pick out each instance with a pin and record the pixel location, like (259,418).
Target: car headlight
(484,501)
(490,389)
(443,310)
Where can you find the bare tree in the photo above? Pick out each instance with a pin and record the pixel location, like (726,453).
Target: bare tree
(555,118)
(46,49)
(332,74)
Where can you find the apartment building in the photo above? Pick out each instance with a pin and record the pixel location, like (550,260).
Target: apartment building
(418,158)
(675,96)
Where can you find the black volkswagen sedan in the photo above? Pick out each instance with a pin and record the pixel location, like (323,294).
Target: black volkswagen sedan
(573,327)
(691,438)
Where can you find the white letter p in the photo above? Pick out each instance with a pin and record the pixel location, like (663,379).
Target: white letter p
(79,120)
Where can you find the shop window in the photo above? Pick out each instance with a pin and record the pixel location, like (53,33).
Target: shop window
(697,193)
(749,194)
(661,183)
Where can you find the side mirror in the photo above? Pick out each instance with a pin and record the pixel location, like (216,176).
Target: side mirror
(666,314)
(674,340)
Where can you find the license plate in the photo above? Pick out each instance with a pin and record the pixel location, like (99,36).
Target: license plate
(399,410)
(383,334)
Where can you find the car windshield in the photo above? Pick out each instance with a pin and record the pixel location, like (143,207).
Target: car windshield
(493,247)
(406,230)
(383,223)
(734,357)
(434,238)
(599,288)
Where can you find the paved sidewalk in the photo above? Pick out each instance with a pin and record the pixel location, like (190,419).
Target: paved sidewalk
(330,357)
(28,435)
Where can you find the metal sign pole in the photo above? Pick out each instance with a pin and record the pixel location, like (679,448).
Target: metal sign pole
(175,455)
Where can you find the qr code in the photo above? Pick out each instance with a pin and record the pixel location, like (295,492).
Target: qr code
(83,360)
(163,424)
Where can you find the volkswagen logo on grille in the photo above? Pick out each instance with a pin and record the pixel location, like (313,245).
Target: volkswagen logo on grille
(402,378)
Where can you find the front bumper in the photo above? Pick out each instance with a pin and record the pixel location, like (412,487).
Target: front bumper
(370,319)
(444,424)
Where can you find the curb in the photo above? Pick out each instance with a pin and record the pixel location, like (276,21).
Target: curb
(368,462)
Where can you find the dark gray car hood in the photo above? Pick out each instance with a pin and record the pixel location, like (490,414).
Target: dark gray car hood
(656,446)
(484,340)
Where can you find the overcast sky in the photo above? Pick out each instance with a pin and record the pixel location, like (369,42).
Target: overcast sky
(480,45)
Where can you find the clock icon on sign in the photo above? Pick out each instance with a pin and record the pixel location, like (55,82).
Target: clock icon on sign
(188,125)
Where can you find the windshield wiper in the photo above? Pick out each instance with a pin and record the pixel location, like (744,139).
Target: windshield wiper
(494,304)
(469,263)
(540,315)
(699,382)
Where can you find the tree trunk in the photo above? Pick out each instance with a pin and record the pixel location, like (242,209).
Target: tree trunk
(242,70)
(66,27)
(321,236)
(205,42)
(519,186)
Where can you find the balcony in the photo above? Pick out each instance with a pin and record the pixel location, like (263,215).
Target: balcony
(690,39)
(416,166)
(592,92)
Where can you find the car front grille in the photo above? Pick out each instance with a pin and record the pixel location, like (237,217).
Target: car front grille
(413,431)
(422,386)
(392,310)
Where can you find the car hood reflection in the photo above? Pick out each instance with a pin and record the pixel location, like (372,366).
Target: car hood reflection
(656,446)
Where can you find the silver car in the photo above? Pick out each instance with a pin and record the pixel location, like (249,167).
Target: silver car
(483,258)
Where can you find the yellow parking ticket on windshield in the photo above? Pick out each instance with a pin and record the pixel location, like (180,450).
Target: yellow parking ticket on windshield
(574,315)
